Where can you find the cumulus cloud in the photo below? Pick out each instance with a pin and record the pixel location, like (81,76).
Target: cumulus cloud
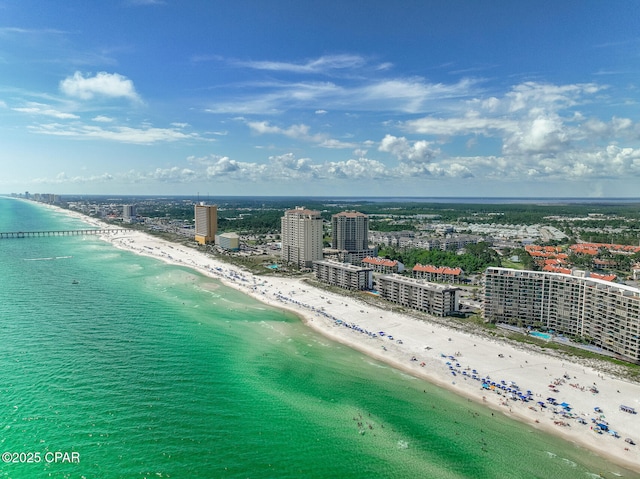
(402,149)
(217,167)
(63,178)
(103,84)
(524,95)
(357,169)
(173,174)
(540,133)
(543,134)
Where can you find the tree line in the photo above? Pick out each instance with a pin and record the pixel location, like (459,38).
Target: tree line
(477,257)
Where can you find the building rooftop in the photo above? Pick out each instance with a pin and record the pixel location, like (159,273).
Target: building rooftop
(437,269)
(417,282)
(300,210)
(380,261)
(351,214)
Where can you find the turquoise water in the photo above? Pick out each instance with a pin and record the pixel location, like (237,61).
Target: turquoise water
(147,370)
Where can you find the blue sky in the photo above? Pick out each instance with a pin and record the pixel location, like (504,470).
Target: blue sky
(337,98)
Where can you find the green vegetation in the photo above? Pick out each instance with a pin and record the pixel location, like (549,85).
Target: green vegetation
(526,261)
(253,222)
(388,226)
(476,259)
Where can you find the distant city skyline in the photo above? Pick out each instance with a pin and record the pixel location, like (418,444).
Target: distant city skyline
(370,99)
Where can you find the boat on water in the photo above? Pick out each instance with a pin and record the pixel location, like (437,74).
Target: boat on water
(75,281)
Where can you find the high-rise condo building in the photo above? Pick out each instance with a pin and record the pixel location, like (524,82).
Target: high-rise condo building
(350,237)
(599,312)
(301,236)
(128,213)
(206,217)
(350,231)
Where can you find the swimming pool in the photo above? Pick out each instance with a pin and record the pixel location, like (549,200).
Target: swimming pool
(540,335)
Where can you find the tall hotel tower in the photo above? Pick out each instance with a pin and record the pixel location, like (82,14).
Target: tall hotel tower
(301,236)
(128,213)
(206,223)
(350,237)
(350,231)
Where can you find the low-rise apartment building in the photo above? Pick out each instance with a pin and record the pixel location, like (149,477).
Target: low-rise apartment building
(603,313)
(441,274)
(343,275)
(353,257)
(382,265)
(436,299)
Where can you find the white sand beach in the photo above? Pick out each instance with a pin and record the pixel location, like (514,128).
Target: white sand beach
(434,352)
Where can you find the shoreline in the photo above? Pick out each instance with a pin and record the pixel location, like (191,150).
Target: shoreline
(433,345)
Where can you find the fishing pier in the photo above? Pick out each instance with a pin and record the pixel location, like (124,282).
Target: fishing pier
(41,234)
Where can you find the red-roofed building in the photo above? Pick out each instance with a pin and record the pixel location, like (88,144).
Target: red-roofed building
(604,277)
(382,265)
(556,269)
(442,274)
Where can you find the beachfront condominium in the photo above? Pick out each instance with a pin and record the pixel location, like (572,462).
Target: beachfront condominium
(301,236)
(600,312)
(206,217)
(435,299)
(344,275)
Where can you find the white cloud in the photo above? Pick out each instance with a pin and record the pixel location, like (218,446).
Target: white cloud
(402,149)
(217,167)
(45,110)
(410,95)
(403,95)
(142,136)
(63,178)
(297,132)
(102,119)
(324,64)
(111,85)
(173,174)
(549,96)
(543,134)
(357,169)
(470,123)
(540,131)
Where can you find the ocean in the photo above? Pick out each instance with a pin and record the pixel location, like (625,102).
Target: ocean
(114,365)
